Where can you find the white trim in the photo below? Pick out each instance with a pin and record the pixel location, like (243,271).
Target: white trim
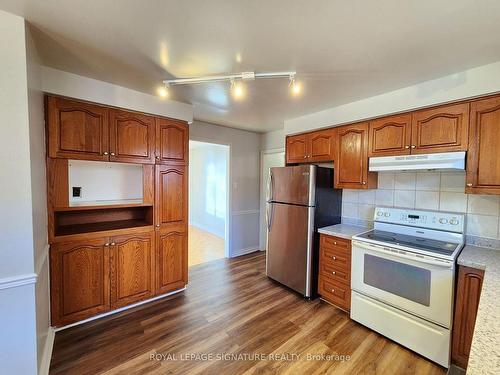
(245,251)
(19,280)
(47,352)
(118,310)
(246,212)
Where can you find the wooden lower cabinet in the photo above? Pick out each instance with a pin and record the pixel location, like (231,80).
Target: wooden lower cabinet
(172,258)
(470,281)
(132,263)
(79,280)
(92,277)
(334,281)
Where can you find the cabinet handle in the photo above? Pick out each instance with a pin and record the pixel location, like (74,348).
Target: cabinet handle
(333,290)
(112,244)
(106,244)
(157,157)
(413,146)
(469,184)
(407,146)
(112,154)
(305,156)
(157,225)
(106,153)
(333,272)
(364,182)
(334,258)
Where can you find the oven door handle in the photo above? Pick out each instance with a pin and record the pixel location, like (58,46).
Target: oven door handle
(385,250)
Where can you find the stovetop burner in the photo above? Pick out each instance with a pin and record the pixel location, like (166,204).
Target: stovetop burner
(418,243)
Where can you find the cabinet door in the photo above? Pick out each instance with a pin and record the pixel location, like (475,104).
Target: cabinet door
(79,280)
(440,129)
(351,160)
(296,149)
(171,194)
(132,137)
(132,268)
(390,136)
(469,285)
(172,139)
(321,145)
(77,130)
(172,263)
(483,159)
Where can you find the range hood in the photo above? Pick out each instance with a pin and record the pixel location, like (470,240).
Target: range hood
(441,161)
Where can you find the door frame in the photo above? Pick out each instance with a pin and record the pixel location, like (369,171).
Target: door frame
(228,222)
(262,189)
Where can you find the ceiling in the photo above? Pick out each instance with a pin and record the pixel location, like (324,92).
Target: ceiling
(342,50)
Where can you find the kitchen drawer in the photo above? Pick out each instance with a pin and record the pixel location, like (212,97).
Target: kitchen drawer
(340,260)
(335,273)
(335,242)
(337,293)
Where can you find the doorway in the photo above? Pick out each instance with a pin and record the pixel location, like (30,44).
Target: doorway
(268,159)
(208,202)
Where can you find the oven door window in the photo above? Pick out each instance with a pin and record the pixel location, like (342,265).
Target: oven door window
(401,279)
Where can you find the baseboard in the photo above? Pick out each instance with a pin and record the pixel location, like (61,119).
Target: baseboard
(47,353)
(244,251)
(117,310)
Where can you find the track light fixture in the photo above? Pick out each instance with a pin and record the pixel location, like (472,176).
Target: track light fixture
(236,79)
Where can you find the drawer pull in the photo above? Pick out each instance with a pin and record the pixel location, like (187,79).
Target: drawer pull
(334,257)
(334,242)
(333,290)
(333,272)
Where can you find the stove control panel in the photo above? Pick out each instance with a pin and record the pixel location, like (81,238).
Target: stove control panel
(447,221)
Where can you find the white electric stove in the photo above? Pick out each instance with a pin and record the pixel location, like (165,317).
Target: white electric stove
(403,278)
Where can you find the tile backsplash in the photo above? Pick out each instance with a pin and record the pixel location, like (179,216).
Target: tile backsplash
(439,191)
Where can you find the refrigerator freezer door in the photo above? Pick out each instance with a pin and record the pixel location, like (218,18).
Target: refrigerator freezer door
(294,185)
(289,241)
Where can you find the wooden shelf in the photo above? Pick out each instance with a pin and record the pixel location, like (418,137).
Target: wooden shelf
(101,207)
(66,230)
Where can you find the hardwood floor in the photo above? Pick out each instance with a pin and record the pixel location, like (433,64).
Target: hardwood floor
(203,246)
(231,308)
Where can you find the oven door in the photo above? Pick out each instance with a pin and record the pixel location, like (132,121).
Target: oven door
(418,285)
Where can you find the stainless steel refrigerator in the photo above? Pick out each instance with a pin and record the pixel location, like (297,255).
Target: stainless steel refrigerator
(300,199)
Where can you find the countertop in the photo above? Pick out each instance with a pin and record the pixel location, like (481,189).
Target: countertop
(484,355)
(343,230)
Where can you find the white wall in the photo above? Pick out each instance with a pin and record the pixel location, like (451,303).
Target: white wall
(469,83)
(207,170)
(17,290)
(273,140)
(72,85)
(39,202)
(244,181)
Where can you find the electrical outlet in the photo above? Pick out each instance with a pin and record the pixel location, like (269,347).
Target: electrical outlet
(77,191)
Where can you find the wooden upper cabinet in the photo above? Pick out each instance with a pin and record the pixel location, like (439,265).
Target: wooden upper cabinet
(77,130)
(483,159)
(171,194)
(469,286)
(172,139)
(132,268)
(172,264)
(296,148)
(351,160)
(131,137)
(79,280)
(440,129)
(390,136)
(321,145)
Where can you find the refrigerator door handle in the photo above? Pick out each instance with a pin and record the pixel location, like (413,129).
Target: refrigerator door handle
(269,215)
(270,185)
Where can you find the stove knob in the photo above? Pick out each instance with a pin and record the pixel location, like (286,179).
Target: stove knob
(454,222)
(380,213)
(387,214)
(444,221)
